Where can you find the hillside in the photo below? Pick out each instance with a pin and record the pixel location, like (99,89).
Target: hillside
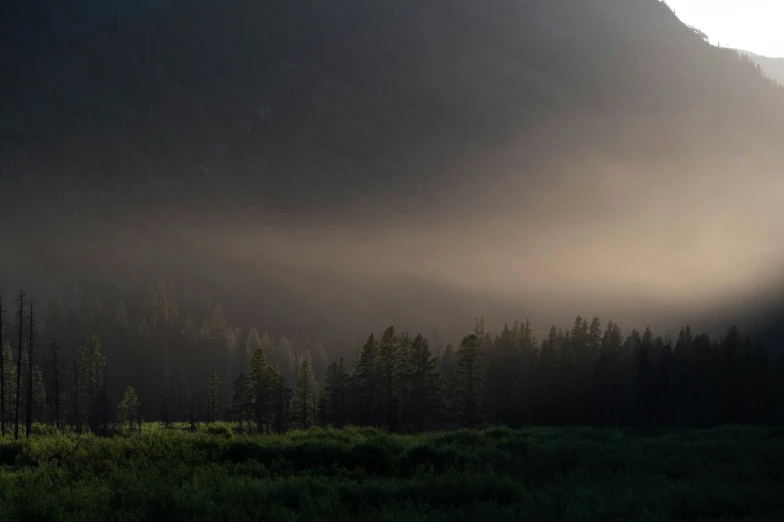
(772,67)
(134,104)
(339,148)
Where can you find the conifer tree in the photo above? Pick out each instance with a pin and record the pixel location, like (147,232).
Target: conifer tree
(503,375)
(367,385)
(259,387)
(303,408)
(280,400)
(213,396)
(547,376)
(387,362)
(404,376)
(527,355)
(252,343)
(128,409)
(468,385)
(426,385)
(334,395)
(91,363)
(240,405)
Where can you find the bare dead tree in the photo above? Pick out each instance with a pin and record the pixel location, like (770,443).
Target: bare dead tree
(20,317)
(166,381)
(56,360)
(193,420)
(29,398)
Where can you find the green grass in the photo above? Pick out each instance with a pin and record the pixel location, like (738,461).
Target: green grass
(541,474)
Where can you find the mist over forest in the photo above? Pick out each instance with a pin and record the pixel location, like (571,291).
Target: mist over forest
(324,170)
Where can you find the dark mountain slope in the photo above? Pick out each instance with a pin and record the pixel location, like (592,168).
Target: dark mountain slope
(117,104)
(394,133)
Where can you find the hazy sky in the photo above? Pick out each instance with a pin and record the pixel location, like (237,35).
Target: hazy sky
(751,25)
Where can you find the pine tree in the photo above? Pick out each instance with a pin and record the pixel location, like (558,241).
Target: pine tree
(252,343)
(259,387)
(426,385)
(367,375)
(503,379)
(387,361)
(240,405)
(547,377)
(404,377)
(527,355)
(303,408)
(280,400)
(91,363)
(128,409)
(213,396)
(334,395)
(609,374)
(468,385)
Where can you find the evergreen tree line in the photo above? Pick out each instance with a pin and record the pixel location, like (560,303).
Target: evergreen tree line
(590,374)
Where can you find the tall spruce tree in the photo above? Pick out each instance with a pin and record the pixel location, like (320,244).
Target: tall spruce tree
(240,405)
(213,396)
(469,380)
(426,386)
(91,364)
(303,407)
(387,358)
(259,387)
(280,402)
(367,386)
(335,390)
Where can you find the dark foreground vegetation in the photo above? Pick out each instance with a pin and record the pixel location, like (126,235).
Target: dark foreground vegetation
(498,474)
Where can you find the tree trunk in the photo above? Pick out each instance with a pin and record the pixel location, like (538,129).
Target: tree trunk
(29,413)
(55,353)
(19,366)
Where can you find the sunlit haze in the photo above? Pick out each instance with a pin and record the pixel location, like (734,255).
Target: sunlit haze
(750,25)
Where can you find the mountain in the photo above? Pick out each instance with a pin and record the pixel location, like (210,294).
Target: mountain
(772,67)
(548,154)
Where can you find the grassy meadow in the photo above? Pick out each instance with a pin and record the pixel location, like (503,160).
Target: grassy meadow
(497,474)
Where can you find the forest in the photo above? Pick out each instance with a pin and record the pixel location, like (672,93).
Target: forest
(151,415)
(114,365)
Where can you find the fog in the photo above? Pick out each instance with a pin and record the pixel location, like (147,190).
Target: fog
(686,229)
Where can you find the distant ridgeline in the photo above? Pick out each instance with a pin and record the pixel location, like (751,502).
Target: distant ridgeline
(118,110)
(71,373)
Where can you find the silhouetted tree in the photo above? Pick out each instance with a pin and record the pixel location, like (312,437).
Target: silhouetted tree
(469,382)
(213,396)
(303,408)
(20,324)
